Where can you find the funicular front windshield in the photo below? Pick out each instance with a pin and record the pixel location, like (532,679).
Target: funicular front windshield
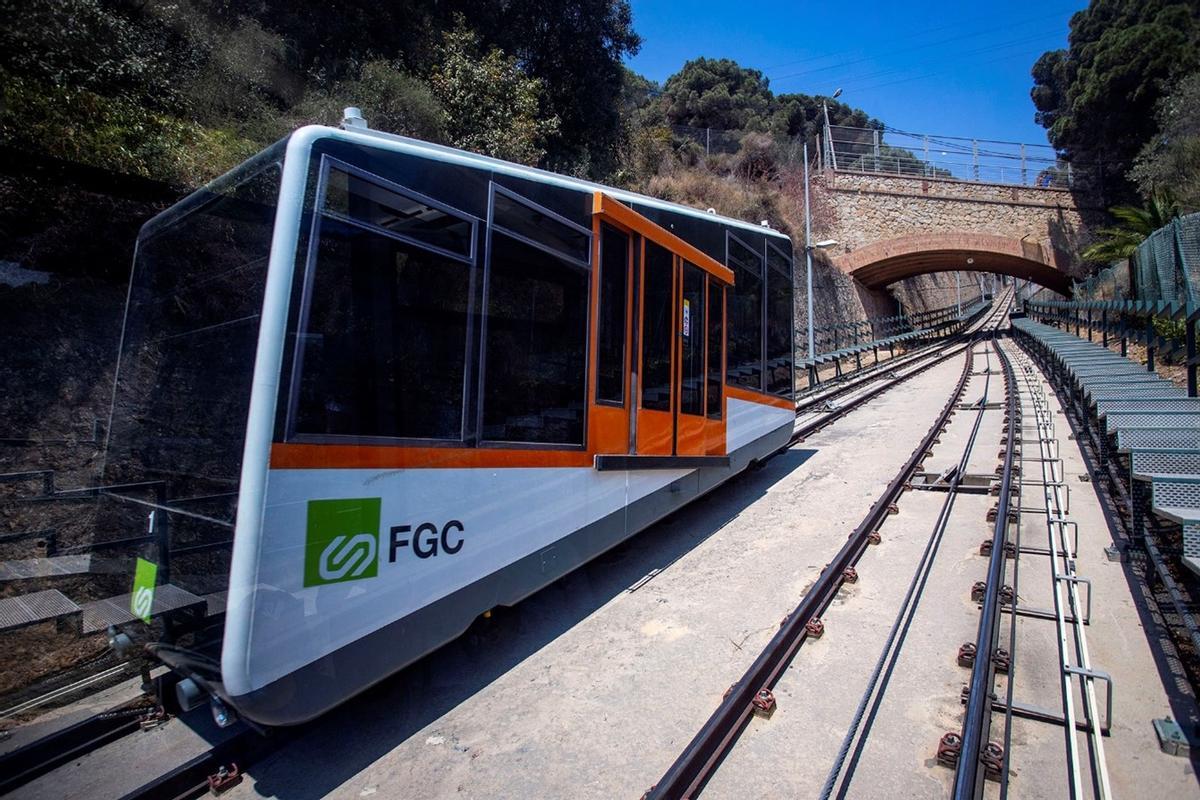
(179,410)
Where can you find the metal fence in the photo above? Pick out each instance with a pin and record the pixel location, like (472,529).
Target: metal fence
(1167,264)
(1165,268)
(877,331)
(889,151)
(714,141)
(895,152)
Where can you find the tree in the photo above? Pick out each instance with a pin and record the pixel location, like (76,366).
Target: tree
(1096,98)
(1170,162)
(1134,225)
(804,115)
(718,93)
(165,90)
(576,49)
(493,107)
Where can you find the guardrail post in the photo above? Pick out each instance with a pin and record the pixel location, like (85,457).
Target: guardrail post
(1150,343)
(1104,327)
(1089,320)
(1191,320)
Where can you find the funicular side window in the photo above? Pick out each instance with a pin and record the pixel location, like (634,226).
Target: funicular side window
(382,350)
(745,316)
(610,330)
(535,340)
(716,333)
(692,330)
(779,322)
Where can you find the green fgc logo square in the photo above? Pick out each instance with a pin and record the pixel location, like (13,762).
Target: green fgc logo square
(342,541)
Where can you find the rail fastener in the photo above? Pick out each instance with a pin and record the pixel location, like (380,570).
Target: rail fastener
(815,628)
(764,703)
(985,548)
(992,759)
(1002,660)
(1016,469)
(224,779)
(874,537)
(1014,515)
(949,749)
(966,654)
(978,590)
(154,718)
(850,575)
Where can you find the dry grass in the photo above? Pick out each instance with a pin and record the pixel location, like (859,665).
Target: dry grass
(728,196)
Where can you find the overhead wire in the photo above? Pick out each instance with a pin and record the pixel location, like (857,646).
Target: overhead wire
(877,54)
(972,34)
(855,87)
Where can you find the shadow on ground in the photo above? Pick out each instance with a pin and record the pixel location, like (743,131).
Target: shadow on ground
(364,729)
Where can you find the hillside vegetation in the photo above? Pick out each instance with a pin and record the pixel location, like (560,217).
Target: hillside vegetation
(175,92)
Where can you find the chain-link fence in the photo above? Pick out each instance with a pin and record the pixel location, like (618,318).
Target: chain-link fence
(1167,264)
(1111,283)
(1166,267)
(714,141)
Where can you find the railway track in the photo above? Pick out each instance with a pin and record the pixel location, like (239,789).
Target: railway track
(225,762)
(916,666)
(840,775)
(816,411)
(752,693)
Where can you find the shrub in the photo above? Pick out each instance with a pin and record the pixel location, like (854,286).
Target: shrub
(493,107)
(758,158)
(390,99)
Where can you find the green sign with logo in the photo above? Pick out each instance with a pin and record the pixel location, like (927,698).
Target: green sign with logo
(141,601)
(342,541)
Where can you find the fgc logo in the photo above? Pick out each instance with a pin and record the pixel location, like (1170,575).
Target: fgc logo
(342,541)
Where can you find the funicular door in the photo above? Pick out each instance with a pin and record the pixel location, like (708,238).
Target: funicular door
(692,336)
(677,306)
(679,409)
(657,368)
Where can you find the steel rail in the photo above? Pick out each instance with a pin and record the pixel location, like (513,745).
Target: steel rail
(889,656)
(24,764)
(691,770)
(969,778)
(813,398)
(1026,369)
(223,765)
(821,393)
(944,352)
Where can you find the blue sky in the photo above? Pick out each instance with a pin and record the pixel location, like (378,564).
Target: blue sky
(950,68)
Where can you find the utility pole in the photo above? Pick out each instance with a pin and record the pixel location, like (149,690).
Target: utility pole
(808,251)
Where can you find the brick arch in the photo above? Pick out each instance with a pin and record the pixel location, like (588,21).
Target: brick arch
(883,263)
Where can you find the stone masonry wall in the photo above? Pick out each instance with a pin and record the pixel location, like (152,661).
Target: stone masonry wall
(864,209)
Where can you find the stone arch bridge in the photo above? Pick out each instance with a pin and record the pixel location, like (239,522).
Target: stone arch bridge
(889,228)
